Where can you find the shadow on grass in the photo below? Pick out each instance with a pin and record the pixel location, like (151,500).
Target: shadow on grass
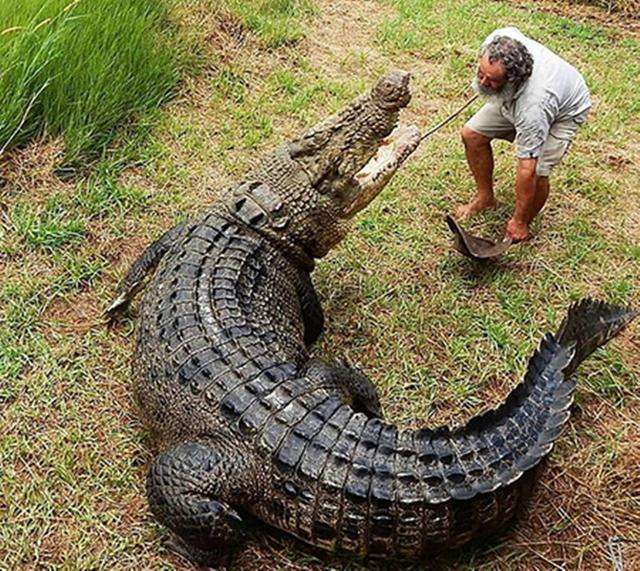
(472,274)
(266,545)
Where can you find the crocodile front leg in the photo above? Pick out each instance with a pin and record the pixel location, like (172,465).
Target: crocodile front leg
(143,265)
(312,314)
(359,391)
(198,489)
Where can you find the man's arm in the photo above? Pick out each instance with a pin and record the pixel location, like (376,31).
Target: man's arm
(526,203)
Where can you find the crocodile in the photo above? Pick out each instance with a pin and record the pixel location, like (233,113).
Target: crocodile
(249,426)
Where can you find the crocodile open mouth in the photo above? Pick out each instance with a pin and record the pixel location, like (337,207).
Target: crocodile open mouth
(375,175)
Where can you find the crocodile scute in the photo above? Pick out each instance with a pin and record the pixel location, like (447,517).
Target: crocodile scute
(249,426)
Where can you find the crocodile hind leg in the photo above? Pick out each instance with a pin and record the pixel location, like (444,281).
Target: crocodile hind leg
(312,314)
(144,264)
(359,391)
(198,489)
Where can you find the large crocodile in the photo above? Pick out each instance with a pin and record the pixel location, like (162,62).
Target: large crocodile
(250,426)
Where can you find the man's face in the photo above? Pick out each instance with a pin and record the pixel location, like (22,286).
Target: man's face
(490,78)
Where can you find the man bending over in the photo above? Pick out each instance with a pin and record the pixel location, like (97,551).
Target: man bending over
(533,97)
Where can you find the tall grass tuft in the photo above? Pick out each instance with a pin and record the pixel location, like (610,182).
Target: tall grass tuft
(81,69)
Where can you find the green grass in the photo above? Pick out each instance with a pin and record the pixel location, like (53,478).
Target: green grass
(50,228)
(628,7)
(276,22)
(81,69)
(441,337)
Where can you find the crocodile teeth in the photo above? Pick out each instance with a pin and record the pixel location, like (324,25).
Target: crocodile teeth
(373,177)
(393,151)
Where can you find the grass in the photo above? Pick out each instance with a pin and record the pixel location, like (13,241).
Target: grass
(441,337)
(81,69)
(276,22)
(630,7)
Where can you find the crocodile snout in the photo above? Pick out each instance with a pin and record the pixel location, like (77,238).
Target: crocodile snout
(392,90)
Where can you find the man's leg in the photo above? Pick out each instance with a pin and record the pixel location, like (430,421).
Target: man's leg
(479,155)
(527,208)
(553,151)
(540,199)
(487,124)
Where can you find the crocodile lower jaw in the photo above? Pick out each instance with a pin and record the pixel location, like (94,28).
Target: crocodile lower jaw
(375,175)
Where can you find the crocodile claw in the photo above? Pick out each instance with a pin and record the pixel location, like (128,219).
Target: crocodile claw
(116,307)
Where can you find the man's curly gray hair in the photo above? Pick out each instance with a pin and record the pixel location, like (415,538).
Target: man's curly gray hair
(513,55)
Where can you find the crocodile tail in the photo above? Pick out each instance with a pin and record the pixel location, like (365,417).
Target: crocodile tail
(461,483)
(514,437)
(590,324)
(447,486)
(522,430)
(495,448)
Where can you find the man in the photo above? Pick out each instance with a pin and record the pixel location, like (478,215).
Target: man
(533,97)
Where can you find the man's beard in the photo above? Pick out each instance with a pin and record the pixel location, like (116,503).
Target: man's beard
(503,94)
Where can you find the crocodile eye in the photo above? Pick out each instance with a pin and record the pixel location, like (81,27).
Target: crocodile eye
(387,88)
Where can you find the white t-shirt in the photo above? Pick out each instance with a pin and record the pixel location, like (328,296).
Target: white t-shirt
(555,91)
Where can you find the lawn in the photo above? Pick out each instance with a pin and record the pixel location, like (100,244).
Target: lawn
(81,69)
(441,338)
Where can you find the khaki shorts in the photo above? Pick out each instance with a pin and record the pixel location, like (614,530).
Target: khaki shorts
(488,121)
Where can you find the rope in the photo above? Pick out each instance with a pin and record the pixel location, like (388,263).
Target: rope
(448,119)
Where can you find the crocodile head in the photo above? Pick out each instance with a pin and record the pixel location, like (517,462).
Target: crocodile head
(347,160)
(304,194)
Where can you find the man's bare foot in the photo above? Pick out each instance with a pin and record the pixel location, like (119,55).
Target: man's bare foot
(465,210)
(517,231)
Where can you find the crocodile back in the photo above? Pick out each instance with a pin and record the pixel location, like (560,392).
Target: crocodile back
(221,312)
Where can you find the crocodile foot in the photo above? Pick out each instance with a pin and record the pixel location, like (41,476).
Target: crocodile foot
(358,390)
(193,489)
